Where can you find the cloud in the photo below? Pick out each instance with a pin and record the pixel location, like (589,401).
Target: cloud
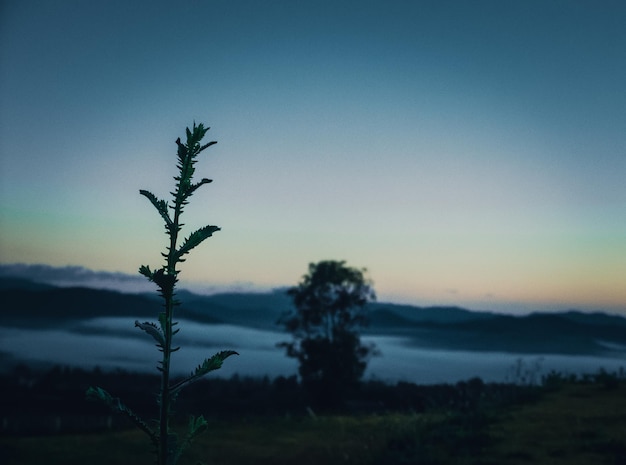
(76,276)
(79,276)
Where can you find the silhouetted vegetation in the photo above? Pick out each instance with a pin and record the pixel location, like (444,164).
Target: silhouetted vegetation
(562,419)
(329,311)
(166,444)
(30,395)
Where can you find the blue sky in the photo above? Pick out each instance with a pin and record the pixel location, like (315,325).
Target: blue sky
(468,153)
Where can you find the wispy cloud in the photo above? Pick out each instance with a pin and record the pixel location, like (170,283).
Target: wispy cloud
(70,276)
(79,276)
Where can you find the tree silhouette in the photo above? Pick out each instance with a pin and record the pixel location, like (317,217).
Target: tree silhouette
(330,308)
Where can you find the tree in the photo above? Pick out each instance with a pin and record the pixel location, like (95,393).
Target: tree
(330,308)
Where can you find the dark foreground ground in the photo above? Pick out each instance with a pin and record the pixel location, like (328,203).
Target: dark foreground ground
(565,421)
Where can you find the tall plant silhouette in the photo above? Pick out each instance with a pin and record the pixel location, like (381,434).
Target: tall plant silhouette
(167,446)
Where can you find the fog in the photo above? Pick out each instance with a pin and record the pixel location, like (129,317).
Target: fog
(111,343)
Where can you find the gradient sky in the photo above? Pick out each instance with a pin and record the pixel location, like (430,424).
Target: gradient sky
(467,153)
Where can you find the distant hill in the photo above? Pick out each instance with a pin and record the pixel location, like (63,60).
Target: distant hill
(22,284)
(596,318)
(412,314)
(536,333)
(29,304)
(26,303)
(24,299)
(57,306)
(257,310)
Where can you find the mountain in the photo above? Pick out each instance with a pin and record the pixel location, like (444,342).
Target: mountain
(29,304)
(257,310)
(22,284)
(26,301)
(596,318)
(412,314)
(57,306)
(535,333)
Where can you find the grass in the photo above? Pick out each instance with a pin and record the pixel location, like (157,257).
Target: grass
(578,424)
(329,440)
(574,424)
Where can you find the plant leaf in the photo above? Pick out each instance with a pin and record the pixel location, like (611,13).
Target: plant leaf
(115,404)
(153,330)
(193,187)
(209,364)
(182,150)
(213,142)
(195,427)
(160,205)
(213,363)
(194,239)
(147,272)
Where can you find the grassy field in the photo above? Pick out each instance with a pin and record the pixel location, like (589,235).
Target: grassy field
(328,440)
(575,424)
(580,424)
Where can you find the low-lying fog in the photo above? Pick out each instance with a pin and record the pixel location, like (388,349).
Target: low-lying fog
(115,343)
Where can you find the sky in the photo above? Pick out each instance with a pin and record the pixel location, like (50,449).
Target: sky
(465,153)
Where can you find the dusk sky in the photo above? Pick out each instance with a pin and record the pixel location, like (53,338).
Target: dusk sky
(466,153)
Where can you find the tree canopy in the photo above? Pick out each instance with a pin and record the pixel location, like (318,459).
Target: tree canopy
(330,308)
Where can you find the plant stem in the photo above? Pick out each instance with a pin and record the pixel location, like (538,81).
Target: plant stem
(165,385)
(170,303)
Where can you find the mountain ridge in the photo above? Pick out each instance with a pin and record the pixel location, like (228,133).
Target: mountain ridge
(27,303)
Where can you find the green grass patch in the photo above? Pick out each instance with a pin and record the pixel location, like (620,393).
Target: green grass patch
(573,424)
(262,440)
(577,424)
